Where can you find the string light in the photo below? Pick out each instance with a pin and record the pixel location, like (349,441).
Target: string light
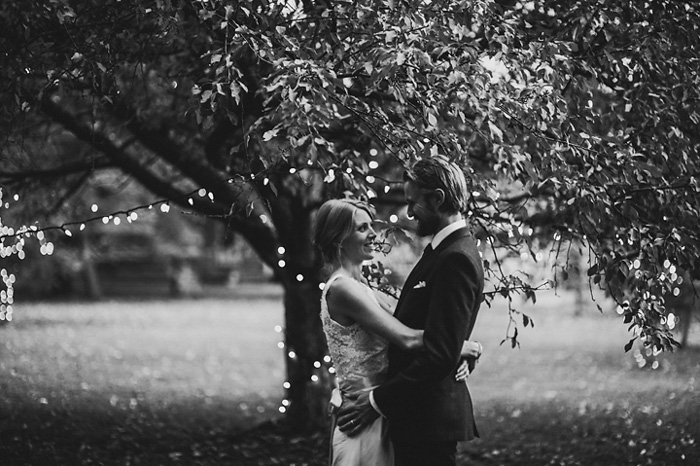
(48,248)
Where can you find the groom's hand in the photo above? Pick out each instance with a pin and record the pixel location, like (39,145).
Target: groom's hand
(356,413)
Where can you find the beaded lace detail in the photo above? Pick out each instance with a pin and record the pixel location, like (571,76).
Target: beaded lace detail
(356,353)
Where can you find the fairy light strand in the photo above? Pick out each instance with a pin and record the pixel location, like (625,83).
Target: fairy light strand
(130,215)
(164,204)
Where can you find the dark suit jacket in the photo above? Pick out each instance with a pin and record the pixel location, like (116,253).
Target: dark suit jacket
(441,295)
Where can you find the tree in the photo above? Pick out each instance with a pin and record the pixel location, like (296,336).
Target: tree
(572,120)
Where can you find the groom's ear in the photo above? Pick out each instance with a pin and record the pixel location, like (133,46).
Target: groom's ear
(437,198)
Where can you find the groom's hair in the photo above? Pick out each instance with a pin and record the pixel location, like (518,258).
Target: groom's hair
(438,172)
(334,222)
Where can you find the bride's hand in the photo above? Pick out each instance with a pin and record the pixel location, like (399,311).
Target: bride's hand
(463,371)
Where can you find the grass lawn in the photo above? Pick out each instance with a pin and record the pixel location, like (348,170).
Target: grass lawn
(193,382)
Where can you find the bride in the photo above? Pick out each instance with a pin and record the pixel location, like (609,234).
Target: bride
(358,324)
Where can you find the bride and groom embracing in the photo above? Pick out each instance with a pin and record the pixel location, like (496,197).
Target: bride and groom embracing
(402,396)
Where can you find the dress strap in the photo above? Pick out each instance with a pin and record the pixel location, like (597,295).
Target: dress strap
(334,277)
(330,281)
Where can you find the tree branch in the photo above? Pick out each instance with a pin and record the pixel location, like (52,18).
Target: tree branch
(58,172)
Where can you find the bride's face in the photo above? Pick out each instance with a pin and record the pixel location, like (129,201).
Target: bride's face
(358,245)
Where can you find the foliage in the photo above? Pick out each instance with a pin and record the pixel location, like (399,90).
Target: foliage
(572,120)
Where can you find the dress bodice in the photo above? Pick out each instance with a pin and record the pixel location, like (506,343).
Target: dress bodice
(356,353)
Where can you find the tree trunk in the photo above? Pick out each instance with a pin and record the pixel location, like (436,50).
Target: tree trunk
(308,378)
(686,319)
(93,290)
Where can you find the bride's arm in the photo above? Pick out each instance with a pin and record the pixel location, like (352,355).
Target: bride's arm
(349,300)
(471,349)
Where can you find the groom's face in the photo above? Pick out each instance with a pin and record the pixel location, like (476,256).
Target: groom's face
(419,207)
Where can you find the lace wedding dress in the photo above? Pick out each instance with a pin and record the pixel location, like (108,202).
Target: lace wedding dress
(360,361)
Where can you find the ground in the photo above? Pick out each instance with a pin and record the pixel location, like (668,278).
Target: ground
(199,382)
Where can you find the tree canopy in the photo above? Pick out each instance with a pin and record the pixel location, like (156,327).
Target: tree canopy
(573,120)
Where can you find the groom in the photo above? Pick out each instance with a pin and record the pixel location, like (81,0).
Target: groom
(428,411)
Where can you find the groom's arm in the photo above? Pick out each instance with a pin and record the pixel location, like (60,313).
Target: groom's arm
(454,289)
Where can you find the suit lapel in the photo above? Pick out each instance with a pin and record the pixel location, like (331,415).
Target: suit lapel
(412,280)
(417,274)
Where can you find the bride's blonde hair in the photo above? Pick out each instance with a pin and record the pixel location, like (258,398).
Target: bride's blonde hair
(334,222)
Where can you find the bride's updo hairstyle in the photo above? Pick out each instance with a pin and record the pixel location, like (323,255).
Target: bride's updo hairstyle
(335,221)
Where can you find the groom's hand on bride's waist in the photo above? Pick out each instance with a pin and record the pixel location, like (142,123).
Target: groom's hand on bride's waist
(356,413)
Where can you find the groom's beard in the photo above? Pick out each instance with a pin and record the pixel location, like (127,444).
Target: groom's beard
(427,227)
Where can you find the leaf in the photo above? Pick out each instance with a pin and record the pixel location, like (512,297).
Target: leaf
(268,135)
(629,344)
(432,119)
(496,132)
